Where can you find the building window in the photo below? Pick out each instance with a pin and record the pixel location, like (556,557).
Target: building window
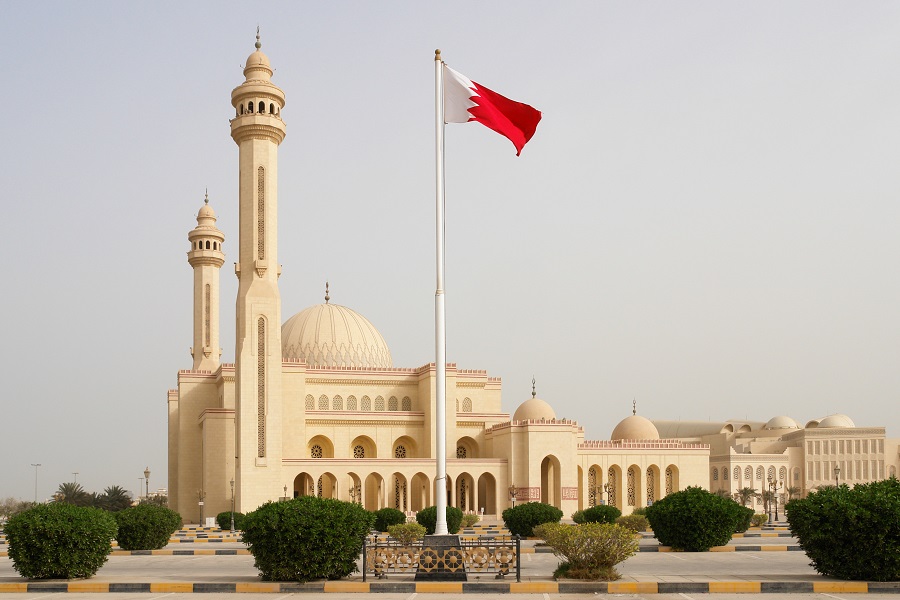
(261,388)
(771,473)
(310,402)
(366,404)
(351,402)
(323,402)
(782,474)
(611,491)
(592,487)
(737,473)
(461,452)
(407,403)
(400,451)
(715,474)
(759,473)
(315,451)
(379,404)
(467,405)
(337,403)
(392,404)
(632,484)
(261,213)
(748,473)
(651,487)
(359,452)
(669,486)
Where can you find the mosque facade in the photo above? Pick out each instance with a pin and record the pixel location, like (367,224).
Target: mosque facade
(313,404)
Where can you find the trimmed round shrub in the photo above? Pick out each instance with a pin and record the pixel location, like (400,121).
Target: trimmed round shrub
(633,522)
(470,519)
(851,533)
(696,520)
(759,519)
(306,538)
(427,517)
(146,527)
(742,515)
(60,541)
(522,519)
(386,517)
(591,550)
(223,520)
(578,517)
(406,533)
(602,513)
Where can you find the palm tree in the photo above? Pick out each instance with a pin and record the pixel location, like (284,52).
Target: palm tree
(792,492)
(746,494)
(72,493)
(115,498)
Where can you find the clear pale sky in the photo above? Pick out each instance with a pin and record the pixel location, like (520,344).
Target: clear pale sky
(706,220)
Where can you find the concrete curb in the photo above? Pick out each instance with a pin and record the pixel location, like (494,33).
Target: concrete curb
(499,587)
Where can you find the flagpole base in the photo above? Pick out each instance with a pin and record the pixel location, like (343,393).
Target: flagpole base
(448,563)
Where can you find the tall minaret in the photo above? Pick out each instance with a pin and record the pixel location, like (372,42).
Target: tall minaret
(257,129)
(206,257)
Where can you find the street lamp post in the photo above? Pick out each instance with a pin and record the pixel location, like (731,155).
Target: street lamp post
(609,492)
(837,474)
(35,465)
(200,495)
(779,485)
(232,506)
(147,481)
(75,475)
(513,493)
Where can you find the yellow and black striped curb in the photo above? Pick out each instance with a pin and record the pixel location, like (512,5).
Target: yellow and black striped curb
(530,587)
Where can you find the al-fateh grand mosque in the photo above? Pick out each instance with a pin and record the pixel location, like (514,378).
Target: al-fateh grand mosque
(313,405)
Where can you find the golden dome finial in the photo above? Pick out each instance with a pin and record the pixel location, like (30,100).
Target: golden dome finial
(327,297)
(206,196)
(634,406)
(258,44)
(533,392)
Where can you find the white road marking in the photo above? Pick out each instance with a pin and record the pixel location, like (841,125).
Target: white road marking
(830,596)
(411,596)
(686,596)
(163,596)
(672,555)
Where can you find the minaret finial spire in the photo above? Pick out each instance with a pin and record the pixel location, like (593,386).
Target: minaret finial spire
(206,196)
(258,44)
(533,392)
(327,297)
(634,406)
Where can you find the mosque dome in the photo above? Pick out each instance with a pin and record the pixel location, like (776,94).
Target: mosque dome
(635,427)
(534,409)
(330,335)
(257,65)
(781,422)
(837,420)
(206,212)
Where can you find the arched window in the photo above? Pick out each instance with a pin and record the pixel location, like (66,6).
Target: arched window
(310,402)
(207,244)
(611,490)
(351,402)
(315,451)
(400,451)
(715,474)
(392,403)
(771,473)
(337,403)
(250,107)
(457,405)
(669,482)
(632,485)
(323,402)
(242,109)
(359,451)
(651,486)
(748,473)
(467,405)
(782,474)
(262,107)
(366,404)
(592,487)
(406,404)
(737,473)
(271,109)
(379,404)
(461,452)
(759,473)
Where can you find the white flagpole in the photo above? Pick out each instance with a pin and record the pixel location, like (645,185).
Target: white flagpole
(440,324)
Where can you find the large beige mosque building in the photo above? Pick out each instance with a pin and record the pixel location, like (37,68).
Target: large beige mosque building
(313,404)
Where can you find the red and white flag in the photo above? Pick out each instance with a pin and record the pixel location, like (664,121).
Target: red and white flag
(466,100)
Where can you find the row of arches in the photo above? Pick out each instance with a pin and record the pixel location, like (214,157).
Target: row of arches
(746,474)
(209,245)
(364,404)
(363,446)
(260,108)
(631,487)
(470,492)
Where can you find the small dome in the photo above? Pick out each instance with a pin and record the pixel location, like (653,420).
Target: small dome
(330,335)
(635,427)
(781,422)
(206,212)
(534,409)
(836,421)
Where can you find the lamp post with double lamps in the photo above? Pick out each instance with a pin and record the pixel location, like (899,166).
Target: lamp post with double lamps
(837,474)
(232,506)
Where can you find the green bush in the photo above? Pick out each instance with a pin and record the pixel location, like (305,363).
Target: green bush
(696,520)
(578,517)
(470,519)
(759,519)
(306,538)
(633,522)
(427,517)
(522,519)
(146,527)
(406,533)
(59,541)
(742,516)
(591,550)
(386,517)
(851,533)
(602,513)
(641,510)
(223,520)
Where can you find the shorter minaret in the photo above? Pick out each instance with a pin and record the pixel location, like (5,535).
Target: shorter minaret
(206,257)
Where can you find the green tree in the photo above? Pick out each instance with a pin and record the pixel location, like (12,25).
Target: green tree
(792,492)
(114,498)
(72,493)
(745,495)
(156,500)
